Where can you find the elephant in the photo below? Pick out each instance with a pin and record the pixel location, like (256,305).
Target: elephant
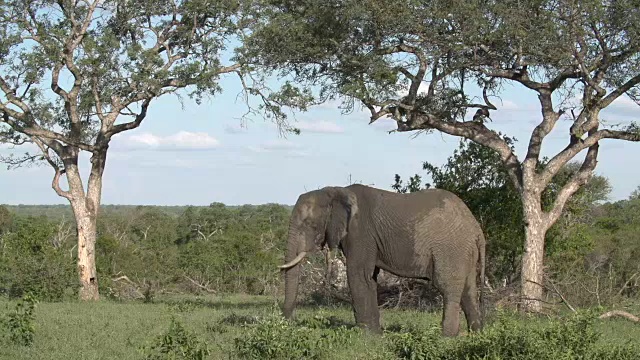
(430,234)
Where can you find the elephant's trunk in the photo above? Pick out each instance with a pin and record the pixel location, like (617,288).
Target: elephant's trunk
(292,272)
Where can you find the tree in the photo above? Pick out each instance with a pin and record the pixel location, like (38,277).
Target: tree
(74,74)
(5,219)
(421,62)
(5,224)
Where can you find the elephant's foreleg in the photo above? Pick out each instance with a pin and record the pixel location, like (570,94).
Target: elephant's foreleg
(364,297)
(470,304)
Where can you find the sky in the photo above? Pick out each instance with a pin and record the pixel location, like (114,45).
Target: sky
(189,154)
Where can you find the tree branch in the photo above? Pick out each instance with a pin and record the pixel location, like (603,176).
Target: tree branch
(201,286)
(178,83)
(619,91)
(54,82)
(519,75)
(620,313)
(567,73)
(130,125)
(586,72)
(417,79)
(55,184)
(558,161)
(11,96)
(34,130)
(473,131)
(549,119)
(96,98)
(78,33)
(580,178)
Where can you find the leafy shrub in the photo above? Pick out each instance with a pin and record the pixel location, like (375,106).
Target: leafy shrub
(177,343)
(19,324)
(276,338)
(35,262)
(510,338)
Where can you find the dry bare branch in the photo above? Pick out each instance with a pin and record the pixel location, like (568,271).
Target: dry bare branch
(620,313)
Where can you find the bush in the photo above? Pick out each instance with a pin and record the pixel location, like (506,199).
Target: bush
(33,262)
(19,324)
(276,338)
(510,338)
(177,343)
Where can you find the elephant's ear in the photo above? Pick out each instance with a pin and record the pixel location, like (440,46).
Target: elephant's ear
(343,208)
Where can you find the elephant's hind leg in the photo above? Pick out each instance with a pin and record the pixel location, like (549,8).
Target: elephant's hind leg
(450,280)
(451,287)
(470,304)
(451,314)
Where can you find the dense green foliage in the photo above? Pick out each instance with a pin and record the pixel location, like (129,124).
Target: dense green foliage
(512,338)
(275,338)
(596,259)
(19,323)
(142,250)
(36,258)
(177,343)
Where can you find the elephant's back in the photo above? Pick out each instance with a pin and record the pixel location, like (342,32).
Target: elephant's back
(419,203)
(419,226)
(430,205)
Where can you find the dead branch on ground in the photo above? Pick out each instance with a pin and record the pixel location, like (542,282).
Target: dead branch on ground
(620,313)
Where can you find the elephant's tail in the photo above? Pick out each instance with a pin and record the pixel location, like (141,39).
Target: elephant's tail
(481,260)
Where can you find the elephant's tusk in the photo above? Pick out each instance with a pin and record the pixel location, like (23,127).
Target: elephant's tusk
(294,261)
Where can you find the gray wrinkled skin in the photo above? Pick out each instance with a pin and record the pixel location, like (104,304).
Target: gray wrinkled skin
(428,235)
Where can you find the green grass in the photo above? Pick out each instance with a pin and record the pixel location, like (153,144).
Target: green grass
(112,330)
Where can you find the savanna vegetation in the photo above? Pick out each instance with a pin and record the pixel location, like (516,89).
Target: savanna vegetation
(204,281)
(201,282)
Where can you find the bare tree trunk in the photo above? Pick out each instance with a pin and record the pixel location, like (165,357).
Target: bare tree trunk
(86,253)
(85,209)
(533,258)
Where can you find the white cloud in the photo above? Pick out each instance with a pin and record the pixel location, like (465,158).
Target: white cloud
(320,127)
(281,145)
(183,140)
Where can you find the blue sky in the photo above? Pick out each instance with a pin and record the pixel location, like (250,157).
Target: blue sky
(201,154)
